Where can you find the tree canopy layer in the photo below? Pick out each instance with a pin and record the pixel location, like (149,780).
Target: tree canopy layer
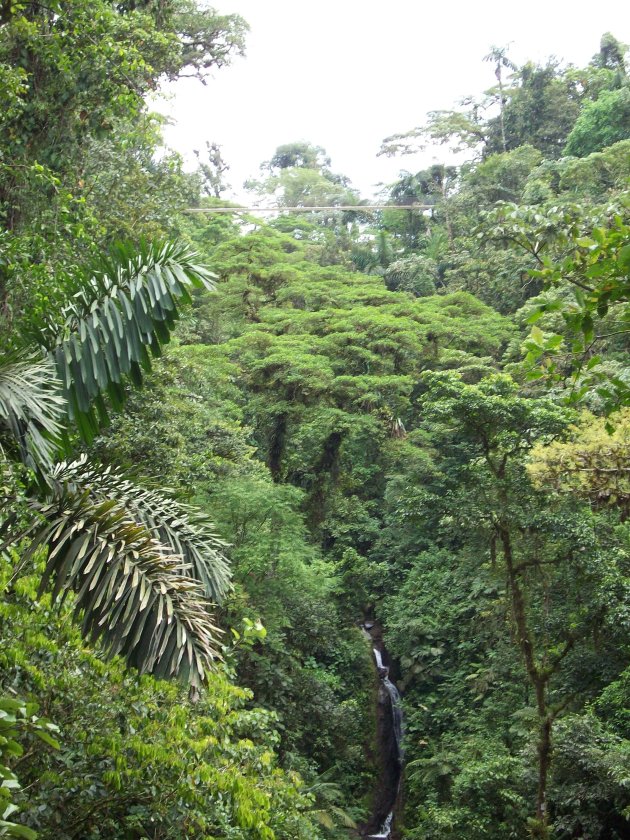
(226,444)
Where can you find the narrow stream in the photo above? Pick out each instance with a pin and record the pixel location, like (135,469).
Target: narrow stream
(390,733)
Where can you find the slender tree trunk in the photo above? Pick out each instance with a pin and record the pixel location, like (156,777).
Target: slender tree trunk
(537,677)
(501,110)
(447,217)
(276,446)
(544,762)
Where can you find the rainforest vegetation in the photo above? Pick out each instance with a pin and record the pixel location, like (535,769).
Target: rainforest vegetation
(225,443)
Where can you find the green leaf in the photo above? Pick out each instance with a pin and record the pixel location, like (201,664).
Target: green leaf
(537,336)
(587,327)
(15,830)
(48,739)
(535,316)
(593,362)
(554,342)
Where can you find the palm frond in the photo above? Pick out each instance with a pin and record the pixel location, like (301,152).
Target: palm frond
(121,315)
(185,530)
(333,817)
(32,410)
(128,587)
(326,795)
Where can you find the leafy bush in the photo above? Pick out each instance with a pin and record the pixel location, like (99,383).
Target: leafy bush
(138,757)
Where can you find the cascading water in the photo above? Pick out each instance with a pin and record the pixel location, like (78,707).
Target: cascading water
(390,743)
(397,715)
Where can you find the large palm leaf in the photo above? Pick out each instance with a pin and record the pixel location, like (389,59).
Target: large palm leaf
(183,529)
(129,588)
(31,411)
(119,317)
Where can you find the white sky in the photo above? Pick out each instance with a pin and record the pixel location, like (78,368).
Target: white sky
(344,74)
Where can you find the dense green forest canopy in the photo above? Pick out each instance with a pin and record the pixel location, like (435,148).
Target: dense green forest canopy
(225,444)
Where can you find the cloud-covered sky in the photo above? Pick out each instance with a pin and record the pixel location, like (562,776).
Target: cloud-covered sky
(344,74)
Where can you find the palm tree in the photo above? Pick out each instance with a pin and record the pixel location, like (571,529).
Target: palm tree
(145,570)
(498,55)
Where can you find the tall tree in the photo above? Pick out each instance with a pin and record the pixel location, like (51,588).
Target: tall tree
(498,56)
(212,168)
(550,556)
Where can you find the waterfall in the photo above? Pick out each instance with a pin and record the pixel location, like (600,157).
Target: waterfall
(394,697)
(386,829)
(397,714)
(390,737)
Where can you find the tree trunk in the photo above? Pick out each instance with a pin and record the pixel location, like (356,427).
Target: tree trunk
(538,679)
(276,446)
(544,761)
(447,217)
(501,110)
(325,469)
